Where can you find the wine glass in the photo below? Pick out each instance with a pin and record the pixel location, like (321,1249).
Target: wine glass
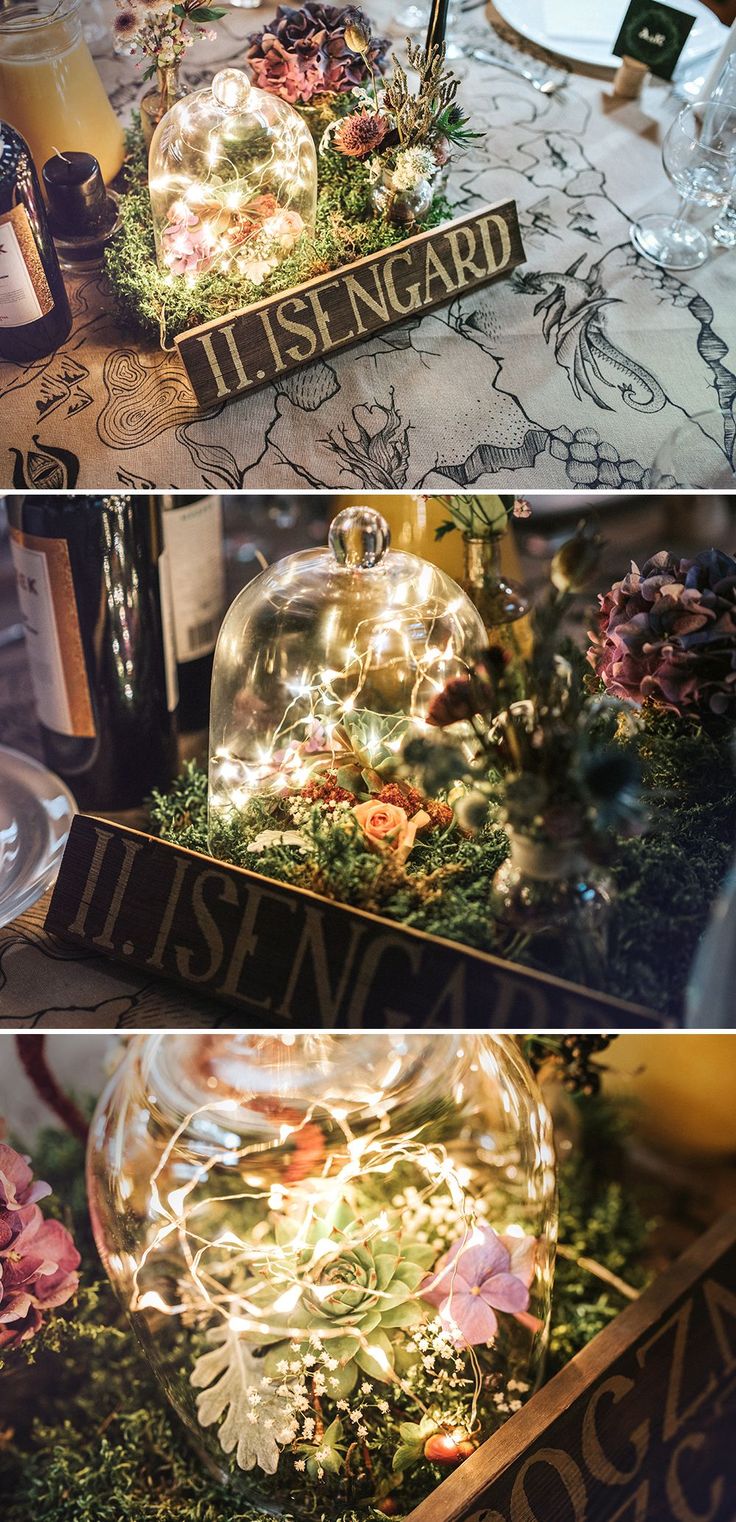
(724,228)
(692,456)
(724,92)
(701,165)
(413,17)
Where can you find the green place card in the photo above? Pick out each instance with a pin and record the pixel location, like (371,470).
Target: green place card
(654,34)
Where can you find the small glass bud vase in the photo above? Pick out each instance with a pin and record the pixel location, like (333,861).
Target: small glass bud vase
(555,904)
(233,181)
(403,207)
(500,601)
(167,90)
(334,1248)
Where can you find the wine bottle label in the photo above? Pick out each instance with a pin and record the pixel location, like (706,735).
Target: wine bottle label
(53,638)
(25,295)
(193,538)
(167,630)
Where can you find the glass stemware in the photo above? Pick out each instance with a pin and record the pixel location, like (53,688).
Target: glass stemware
(724,92)
(699,156)
(413,17)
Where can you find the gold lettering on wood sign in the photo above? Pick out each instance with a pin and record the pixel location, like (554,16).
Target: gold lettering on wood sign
(247,349)
(267,946)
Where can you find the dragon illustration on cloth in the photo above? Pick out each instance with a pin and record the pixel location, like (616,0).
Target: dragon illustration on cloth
(574,316)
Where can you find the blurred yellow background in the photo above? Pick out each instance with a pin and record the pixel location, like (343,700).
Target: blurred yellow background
(683,1085)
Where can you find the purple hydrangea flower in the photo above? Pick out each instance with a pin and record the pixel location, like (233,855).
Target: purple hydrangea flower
(480,1274)
(667,633)
(302,54)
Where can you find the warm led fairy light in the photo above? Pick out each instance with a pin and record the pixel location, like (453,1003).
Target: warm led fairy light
(214,212)
(286,764)
(238,1310)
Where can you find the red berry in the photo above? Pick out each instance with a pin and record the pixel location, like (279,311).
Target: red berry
(388,1506)
(444,1448)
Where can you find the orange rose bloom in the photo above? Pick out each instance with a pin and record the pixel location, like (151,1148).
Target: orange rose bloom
(387,827)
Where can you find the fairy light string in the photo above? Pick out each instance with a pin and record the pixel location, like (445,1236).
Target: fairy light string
(238,1309)
(232,182)
(311,736)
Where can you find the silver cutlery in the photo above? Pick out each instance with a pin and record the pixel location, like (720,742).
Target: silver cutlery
(547,86)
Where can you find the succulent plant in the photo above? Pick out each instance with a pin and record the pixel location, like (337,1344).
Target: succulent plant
(357,1284)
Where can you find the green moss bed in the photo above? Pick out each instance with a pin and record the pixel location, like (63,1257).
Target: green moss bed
(346,229)
(85,1435)
(665,882)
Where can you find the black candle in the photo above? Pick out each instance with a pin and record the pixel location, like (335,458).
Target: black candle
(83,214)
(76,192)
(437,24)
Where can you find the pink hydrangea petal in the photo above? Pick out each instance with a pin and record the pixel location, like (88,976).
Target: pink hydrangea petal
(473,1316)
(523,1254)
(506,1292)
(476,1255)
(16,1180)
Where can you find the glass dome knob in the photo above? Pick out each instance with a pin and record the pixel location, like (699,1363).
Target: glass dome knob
(231,88)
(359,538)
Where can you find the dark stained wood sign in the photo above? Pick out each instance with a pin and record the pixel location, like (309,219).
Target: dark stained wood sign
(639,1427)
(249,348)
(281,953)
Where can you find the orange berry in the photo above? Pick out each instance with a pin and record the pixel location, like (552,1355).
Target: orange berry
(448,1448)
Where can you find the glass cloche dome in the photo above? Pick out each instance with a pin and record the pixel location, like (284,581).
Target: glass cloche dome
(336,1249)
(327,663)
(232,180)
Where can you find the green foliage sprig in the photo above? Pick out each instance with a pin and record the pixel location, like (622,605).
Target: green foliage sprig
(478,517)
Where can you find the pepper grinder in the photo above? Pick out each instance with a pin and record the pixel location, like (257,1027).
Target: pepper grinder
(83,214)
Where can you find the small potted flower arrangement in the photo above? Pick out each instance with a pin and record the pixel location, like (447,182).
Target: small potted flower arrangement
(161,33)
(483,521)
(547,763)
(405,133)
(325,60)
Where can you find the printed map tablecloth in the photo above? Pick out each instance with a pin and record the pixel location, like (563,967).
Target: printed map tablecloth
(573,371)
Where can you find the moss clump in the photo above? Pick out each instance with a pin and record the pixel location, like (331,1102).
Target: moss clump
(147,302)
(665,882)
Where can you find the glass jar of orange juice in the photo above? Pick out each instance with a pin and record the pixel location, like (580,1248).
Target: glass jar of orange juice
(50,90)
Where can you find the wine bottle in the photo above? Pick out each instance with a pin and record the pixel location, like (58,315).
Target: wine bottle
(35,316)
(193,536)
(102,663)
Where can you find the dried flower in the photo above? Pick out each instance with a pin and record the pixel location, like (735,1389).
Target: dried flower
(327,789)
(303,54)
(125,26)
(480,1274)
(457,701)
(667,634)
(360,134)
(38,1259)
(412,166)
(521,508)
(357,30)
(471,811)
